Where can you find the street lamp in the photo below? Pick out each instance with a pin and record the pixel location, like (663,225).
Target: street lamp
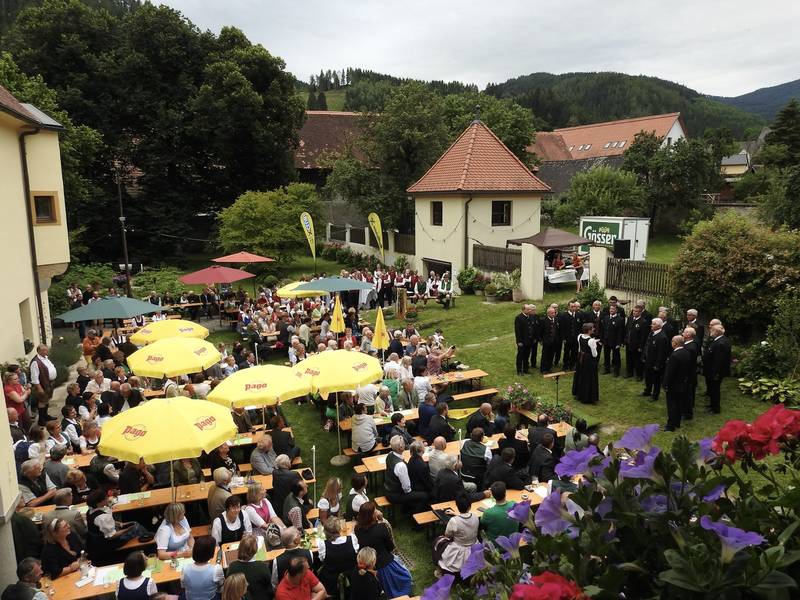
(124,232)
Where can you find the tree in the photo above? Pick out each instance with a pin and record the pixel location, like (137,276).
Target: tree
(674,177)
(311,103)
(602,191)
(733,269)
(786,131)
(779,204)
(322,102)
(268,223)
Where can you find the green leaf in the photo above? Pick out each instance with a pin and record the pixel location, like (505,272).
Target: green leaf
(775,579)
(678,579)
(787,533)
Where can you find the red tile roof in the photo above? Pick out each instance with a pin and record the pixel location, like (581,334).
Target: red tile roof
(600,137)
(326,132)
(11,105)
(478,162)
(549,145)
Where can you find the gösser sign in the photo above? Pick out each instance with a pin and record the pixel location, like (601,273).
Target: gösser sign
(601,233)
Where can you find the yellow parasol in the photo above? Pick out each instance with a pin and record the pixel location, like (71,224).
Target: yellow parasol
(337,320)
(380,338)
(266,385)
(165,430)
(288,291)
(336,371)
(173,356)
(169,328)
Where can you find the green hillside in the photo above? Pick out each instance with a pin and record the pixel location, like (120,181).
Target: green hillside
(581,98)
(334,98)
(765,102)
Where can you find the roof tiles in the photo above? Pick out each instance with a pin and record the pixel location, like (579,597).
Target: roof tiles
(478,162)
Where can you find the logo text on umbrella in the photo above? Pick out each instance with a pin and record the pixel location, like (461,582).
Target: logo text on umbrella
(359,367)
(255,386)
(134,432)
(186,329)
(204,423)
(314,372)
(154,358)
(201,351)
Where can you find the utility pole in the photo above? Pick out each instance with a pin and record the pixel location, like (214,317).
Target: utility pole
(124,232)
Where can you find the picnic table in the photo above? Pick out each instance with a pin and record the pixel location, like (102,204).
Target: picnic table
(511,496)
(105,579)
(457,376)
(411,414)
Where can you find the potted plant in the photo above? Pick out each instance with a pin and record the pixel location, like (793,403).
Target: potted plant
(516,290)
(411,314)
(491,292)
(520,397)
(480,283)
(466,279)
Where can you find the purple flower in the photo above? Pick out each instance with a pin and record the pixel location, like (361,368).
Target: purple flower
(656,503)
(733,539)
(600,468)
(705,452)
(510,544)
(576,462)
(550,518)
(637,438)
(715,494)
(474,563)
(520,512)
(605,506)
(439,590)
(642,468)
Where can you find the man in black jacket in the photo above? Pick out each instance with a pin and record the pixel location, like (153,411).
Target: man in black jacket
(551,339)
(543,462)
(636,330)
(418,471)
(613,336)
(522,453)
(439,425)
(717,365)
(570,324)
(449,484)
(691,346)
(283,479)
(483,418)
(536,434)
(525,335)
(614,301)
(691,321)
(595,317)
(676,382)
(501,469)
(656,350)
(282,441)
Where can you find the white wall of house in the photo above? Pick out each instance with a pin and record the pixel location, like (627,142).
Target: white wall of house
(675,133)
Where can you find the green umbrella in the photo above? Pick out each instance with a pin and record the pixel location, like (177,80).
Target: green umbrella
(334,284)
(120,307)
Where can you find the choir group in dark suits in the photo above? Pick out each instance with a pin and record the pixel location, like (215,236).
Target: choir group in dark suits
(659,351)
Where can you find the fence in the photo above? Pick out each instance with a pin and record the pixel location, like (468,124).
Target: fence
(339,233)
(357,235)
(650,279)
(492,258)
(404,243)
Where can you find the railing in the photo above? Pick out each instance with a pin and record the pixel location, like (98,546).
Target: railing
(492,258)
(374,243)
(357,235)
(404,243)
(651,279)
(339,233)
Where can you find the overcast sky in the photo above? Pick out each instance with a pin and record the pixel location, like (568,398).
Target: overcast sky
(715,47)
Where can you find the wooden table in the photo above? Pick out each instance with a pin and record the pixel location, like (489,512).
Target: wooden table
(562,428)
(64,587)
(411,414)
(231,551)
(511,496)
(457,376)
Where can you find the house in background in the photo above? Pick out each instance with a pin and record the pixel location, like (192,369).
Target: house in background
(34,234)
(476,197)
(549,145)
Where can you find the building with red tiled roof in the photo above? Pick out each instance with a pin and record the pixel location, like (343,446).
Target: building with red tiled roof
(477,194)
(549,145)
(323,134)
(612,138)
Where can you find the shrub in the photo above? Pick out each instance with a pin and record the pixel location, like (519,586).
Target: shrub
(481,280)
(491,289)
(401,262)
(82,275)
(506,282)
(330,251)
(783,335)
(161,280)
(591,292)
(760,360)
(775,391)
(466,279)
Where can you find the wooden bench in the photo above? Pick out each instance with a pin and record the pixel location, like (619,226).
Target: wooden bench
(247,467)
(378,449)
(135,544)
(425,518)
(360,469)
(487,393)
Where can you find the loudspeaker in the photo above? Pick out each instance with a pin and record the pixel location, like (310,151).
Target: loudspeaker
(622,249)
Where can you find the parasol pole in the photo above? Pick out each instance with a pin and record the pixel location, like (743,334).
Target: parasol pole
(172,481)
(339,460)
(314,470)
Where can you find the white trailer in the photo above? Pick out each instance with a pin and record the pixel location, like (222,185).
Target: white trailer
(604,231)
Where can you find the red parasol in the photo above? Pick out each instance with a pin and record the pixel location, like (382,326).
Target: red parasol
(243,257)
(215,274)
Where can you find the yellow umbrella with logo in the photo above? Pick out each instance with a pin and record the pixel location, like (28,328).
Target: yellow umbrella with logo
(337,371)
(337,320)
(265,385)
(159,330)
(380,337)
(173,356)
(167,429)
(289,291)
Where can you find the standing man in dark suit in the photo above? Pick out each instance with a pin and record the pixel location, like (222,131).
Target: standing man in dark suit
(595,317)
(717,364)
(671,327)
(524,333)
(645,313)
(691,321)
(677,374)
(690,344)
(537,334)
(551,340)
(636,331)
(612,336)
(570,323)
(656,350)
(614,301)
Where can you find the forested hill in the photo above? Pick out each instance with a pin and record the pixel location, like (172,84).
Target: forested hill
(765,102)
(9,9)
(581,98)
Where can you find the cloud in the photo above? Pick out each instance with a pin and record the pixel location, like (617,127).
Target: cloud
(716,47)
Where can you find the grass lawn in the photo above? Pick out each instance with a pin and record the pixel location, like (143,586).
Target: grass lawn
(333,98)
(663,248)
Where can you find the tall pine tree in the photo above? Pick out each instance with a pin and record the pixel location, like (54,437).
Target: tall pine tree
(786,132)
(322,102)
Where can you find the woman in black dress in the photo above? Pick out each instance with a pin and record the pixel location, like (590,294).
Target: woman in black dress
(585,385)
(62,549)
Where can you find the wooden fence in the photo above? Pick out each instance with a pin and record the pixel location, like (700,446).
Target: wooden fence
(650,279)
(339,233)
(492,258)
(404,243)
(357,235)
